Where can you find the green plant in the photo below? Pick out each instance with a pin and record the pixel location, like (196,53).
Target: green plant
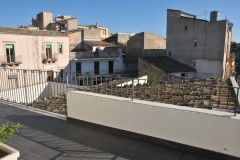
(151,79)
(7,131)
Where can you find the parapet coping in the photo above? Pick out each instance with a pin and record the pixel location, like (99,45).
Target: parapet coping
(163,105)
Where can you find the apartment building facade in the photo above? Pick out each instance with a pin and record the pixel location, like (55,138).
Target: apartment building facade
(33,49)
(96,58)
(202,44)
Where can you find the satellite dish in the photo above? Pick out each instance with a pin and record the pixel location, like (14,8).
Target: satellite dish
(230,24)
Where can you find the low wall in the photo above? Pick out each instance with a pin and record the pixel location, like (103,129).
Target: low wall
(235,85)
(211,130)
(24,94)
(30,93)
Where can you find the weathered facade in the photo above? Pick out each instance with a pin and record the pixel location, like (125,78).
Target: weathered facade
(35,50)
(42,20)
(104,31)
(120,39)
(95,58)
(203,44)
(145,44)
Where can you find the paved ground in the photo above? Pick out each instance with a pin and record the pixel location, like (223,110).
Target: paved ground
(43,137)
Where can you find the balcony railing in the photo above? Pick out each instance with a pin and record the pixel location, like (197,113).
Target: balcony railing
(89,54)
(51,59)
(10,60)
(46,90)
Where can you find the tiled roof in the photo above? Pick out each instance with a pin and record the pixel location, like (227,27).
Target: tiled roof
(100,43)
(23,31)
(168,64)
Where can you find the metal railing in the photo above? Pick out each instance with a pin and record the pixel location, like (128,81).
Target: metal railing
(47,90)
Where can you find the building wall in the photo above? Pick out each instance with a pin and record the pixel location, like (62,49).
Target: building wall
(208,68)
(123,38)
(195,127)
(135,46)
(31,49)
(75,38)
(72,24)
(91,34)
(42,20)
(209,36)
(145,44)
(87,65)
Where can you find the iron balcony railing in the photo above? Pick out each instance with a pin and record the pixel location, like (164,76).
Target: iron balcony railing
(47,90)
(89,54)
(10,60)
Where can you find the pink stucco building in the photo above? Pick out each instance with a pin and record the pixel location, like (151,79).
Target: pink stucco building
(34,49)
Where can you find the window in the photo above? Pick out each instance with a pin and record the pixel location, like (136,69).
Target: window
(49,51)
(110,67)
(10,53)
(96,67)
(60,48)
(193,63)
(103,32)
(195,43)
(50,75)
(183,75)
(185,28)
(78,67)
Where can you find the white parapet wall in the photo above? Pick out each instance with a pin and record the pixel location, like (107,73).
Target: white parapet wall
(236,87)
(211,130)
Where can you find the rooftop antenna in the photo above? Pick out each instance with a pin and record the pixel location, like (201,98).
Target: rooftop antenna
(50,5)
(205,13)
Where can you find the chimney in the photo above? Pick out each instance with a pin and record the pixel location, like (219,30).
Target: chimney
(214,16)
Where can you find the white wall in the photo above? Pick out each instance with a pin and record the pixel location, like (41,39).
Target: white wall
(18,95)
(88,65)
(236,87)
(33,92)
(211,130)
(209,68)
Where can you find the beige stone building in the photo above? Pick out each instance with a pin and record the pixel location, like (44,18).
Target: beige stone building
(145,44)
(34,50)
(104,31)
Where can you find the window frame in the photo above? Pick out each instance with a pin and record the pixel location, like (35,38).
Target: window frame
(78,71)
(8,54)
(46,53)
(60,50)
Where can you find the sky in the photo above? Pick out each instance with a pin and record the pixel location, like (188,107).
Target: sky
(122,16)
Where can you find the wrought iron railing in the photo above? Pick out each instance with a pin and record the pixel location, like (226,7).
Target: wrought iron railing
(47,90)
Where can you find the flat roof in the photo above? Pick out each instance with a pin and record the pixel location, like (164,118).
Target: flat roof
(23,31)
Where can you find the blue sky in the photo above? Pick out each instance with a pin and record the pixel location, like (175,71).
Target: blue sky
(125,16)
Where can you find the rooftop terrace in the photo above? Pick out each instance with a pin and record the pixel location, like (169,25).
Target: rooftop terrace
(43,138)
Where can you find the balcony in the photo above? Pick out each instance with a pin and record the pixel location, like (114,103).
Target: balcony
(49,137)
(10,60)
(193,123)
(51,59)
(94,55)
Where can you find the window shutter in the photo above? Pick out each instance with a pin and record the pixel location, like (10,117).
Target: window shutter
(9,46)
(48,45)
